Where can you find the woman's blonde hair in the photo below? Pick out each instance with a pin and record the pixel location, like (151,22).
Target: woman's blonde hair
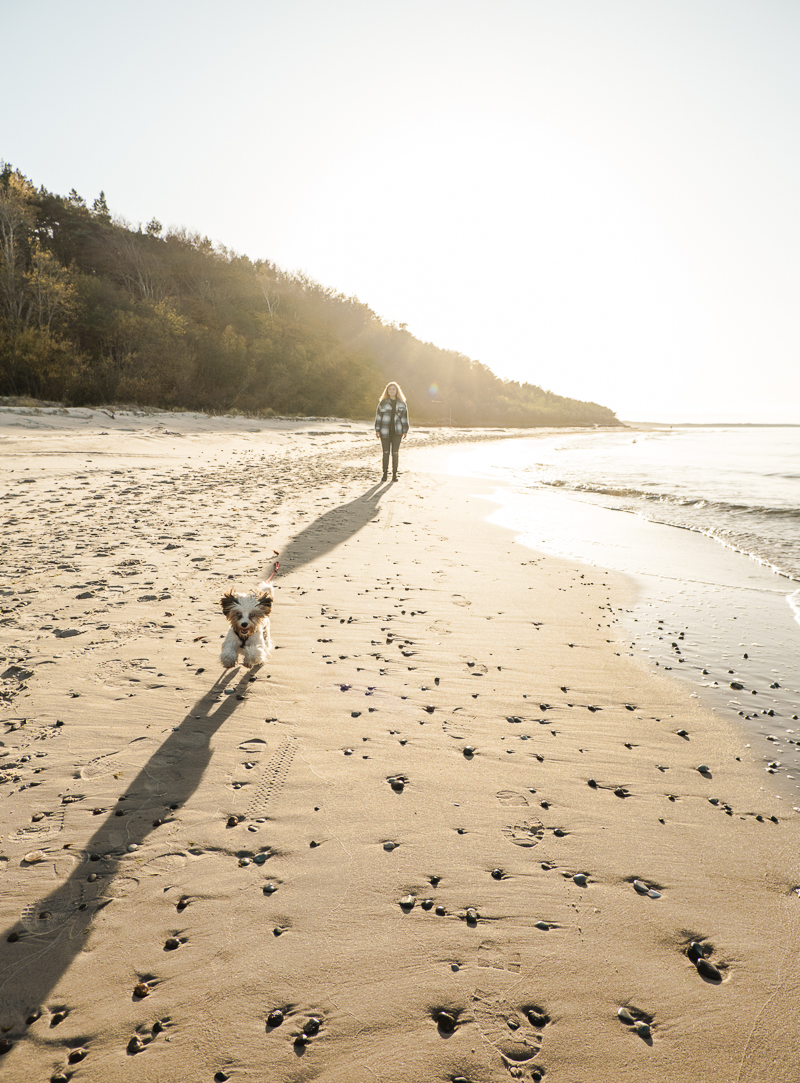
(385,392)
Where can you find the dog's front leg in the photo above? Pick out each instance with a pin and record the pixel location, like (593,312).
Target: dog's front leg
(230,649)
(254,653)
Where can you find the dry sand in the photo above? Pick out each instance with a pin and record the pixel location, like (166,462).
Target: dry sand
(208,848)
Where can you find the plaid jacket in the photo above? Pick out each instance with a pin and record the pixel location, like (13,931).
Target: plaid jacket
(383,417)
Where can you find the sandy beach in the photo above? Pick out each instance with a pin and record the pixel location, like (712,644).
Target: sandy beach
(450,831)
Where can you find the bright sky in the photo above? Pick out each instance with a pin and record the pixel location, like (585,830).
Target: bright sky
(601,197)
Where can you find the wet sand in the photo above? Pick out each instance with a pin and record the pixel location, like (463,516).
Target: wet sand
(447,832)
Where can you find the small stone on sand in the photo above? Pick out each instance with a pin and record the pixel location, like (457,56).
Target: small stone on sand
(445,1022)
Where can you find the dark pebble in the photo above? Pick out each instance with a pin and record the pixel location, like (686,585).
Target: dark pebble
(592,783)
(312,1026)
(643,1028)
(537,1018)
(275,1018)
(269,889)
(398,785)
(171,943)
(695,951)
(12,938)
(427,904)
(559,834)
(135,1045)
(259,859)
(77,1055)
(221,1077)
(302,1040)
(233,821)
(440,910)
(580,879)
(708,970)
(625,1016)
(407,902)
(543,926)
(472,916)
(469,751)
(445,1022)
(5,1045)
(497,874)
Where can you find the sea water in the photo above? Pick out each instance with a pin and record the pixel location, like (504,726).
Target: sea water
(706,522)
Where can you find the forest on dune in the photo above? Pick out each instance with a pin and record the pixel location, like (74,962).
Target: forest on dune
(95,312)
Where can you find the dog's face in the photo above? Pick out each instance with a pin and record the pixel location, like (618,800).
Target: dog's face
(247,611)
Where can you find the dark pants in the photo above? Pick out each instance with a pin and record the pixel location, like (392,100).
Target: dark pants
(391,442)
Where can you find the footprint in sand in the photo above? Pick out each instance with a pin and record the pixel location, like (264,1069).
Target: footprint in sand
(135,754)
(459,599)
(40,832)
(41,917)
(511,1031)
(274,776)
(440,628)
(492,956)
(525,832)
(511,797)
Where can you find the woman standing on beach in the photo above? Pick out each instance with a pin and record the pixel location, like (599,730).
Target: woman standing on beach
(391,425)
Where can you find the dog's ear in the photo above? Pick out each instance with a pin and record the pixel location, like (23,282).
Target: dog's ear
(228,601)
(265,600)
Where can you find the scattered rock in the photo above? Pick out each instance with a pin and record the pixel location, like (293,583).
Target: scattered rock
(445,1022)
(707,970)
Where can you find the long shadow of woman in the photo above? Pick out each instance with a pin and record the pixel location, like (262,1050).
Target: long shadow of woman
(331,529)
(37,950)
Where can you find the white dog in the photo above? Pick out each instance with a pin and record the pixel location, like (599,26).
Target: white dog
(248,615)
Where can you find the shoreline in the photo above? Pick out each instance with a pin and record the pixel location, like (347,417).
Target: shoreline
(234,845)
(690,589)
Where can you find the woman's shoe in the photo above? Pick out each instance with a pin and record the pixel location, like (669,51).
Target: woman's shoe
(385,476)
